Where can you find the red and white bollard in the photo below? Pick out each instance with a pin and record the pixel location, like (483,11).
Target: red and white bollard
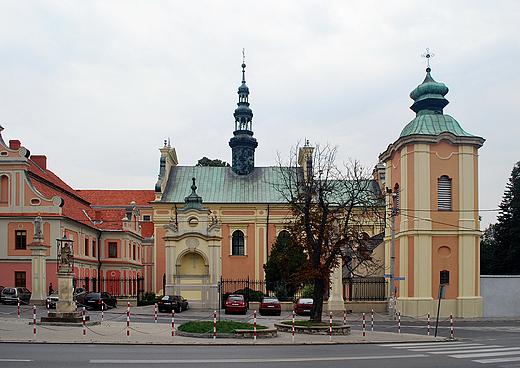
(399,323)
(428,323)
(363,326)
(451,323)
(155,312)
(34,322)
(330,326)
(372,321)
(214,325)
(128,322)
(293,326)
(84,325)
(102,311)
(18,308)
(254,327)
(344,317)
(48,307)
(173,324)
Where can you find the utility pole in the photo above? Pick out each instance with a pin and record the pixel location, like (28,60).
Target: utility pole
(393,213)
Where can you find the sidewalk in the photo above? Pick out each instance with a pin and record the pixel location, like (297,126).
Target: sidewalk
(22,331)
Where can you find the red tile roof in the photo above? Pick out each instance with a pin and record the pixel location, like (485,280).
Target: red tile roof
(147,229)
(121,198)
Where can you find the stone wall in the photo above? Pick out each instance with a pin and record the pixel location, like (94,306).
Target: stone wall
(500,295)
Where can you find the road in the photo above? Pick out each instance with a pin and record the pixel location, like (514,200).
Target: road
(487,344)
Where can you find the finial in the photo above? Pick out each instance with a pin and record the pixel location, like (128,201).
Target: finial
(428,55)
(169,142)
(193,187)
(243,57)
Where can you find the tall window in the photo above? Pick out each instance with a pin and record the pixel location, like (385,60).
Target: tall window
(112,250)
(86,246)
(133,251)
(93,248)
(445,277)
(21,239)
(444,193)
(20,279)
(4,189)
(237,243)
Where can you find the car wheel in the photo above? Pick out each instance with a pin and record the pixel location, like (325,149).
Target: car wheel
(179,310)
(225,311)
(278,313)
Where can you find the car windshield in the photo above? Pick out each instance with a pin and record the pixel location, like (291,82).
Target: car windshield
(94,295)
(236,298)
(305,301)
(9,291)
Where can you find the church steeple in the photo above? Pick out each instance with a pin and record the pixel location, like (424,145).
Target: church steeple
(243,144)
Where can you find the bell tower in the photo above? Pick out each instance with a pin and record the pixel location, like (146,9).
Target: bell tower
(433,168)
(243,144)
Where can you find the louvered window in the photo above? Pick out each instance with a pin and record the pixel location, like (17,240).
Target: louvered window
(444,193)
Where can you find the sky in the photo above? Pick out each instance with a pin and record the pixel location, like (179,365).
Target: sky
(98,86)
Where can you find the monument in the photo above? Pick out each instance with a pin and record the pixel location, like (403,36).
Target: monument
(38,264)
(65,307)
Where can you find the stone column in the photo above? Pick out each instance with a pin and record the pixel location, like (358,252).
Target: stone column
(39,273)
(65,292)
(336,300)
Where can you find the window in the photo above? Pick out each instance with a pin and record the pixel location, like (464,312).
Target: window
(4,189)
(444,193)
(93,248)
(445,277)
(146,217)
(112,250)
(19,278)
(21,239)
(237,243)
(397,196)
(133,251)
(86,246)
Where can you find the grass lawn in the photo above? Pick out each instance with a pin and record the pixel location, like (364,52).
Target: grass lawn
(222,327)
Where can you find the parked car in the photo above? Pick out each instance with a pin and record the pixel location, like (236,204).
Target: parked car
(79,294)
(303,306)
(172,302)
(95,300)
(15,294)
(235,303)
(52,299)
(270,305)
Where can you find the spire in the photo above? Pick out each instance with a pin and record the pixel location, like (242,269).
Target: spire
(243,114)
(243,143)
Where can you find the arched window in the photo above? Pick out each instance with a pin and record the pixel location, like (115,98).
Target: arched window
(237,243)
(4,189)
(444,193)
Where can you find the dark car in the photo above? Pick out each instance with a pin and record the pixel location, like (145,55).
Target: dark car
(270,305)
(52,299)
(15,294)
(79,294)
(303,306)
(95,300)
(236,303)
(172,302)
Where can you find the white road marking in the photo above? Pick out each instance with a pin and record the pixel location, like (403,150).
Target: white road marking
(511,351)
(227,361)
(498,360)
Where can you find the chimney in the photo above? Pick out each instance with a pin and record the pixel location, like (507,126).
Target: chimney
(40,160)
(97,216)
(14,144)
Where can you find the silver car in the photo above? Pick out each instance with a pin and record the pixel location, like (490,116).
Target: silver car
(15,294)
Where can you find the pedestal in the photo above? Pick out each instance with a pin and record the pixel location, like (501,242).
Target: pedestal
(39,274)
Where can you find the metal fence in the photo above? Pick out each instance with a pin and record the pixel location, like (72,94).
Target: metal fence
(355,289)
(119,287)
(365,289)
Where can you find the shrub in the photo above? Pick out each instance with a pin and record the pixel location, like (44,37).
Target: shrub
(308,291)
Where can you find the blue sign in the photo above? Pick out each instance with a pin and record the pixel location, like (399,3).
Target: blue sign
(399,278)
(388,276)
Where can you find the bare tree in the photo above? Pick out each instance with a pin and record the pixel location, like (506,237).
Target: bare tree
(333,211)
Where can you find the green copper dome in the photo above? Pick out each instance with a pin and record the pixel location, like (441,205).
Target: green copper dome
(428,105)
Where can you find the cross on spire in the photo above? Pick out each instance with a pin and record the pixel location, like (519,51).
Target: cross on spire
(428,55)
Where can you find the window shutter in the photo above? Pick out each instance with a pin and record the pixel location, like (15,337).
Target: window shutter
(444,193)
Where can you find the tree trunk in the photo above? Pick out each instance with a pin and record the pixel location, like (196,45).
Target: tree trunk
(319,291)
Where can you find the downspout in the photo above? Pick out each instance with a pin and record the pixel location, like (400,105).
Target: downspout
(267,236)
(99,261)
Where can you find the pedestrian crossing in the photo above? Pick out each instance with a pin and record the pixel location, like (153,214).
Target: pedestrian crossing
(477,352)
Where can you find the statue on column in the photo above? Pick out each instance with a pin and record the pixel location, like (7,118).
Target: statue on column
(38,231)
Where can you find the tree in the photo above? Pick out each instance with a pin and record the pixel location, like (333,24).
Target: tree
(331,209)
(281,269)
(500,245)
(209,162)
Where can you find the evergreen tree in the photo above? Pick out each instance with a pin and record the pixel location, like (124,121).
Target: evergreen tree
(209,162)
(507,232)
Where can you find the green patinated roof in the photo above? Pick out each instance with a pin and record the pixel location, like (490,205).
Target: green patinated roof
(221,185)
(434,124)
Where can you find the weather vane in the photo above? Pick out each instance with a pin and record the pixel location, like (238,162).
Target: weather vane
(428,55)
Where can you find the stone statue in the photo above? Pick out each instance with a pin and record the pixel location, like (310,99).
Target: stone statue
(38,232)
(65,255)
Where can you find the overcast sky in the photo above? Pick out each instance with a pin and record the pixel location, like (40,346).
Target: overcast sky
(97,86)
